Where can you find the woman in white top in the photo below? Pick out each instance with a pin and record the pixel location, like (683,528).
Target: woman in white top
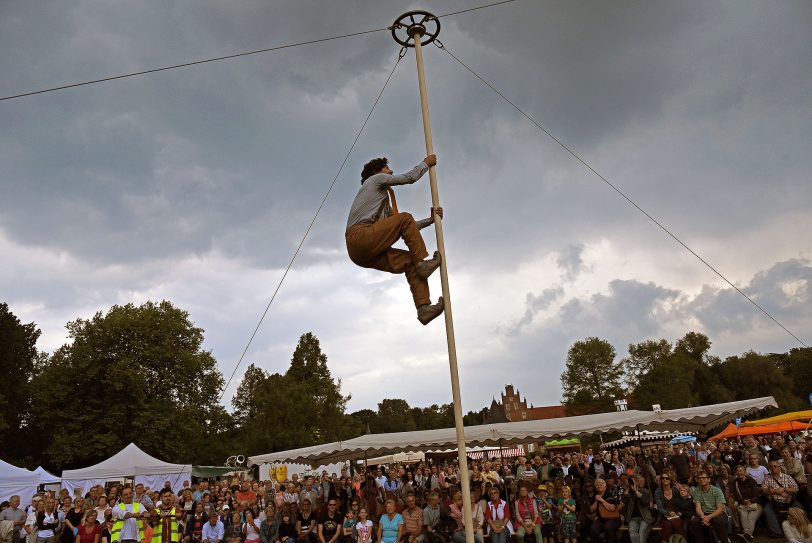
(102,509)
(250,529)
(31,521)
(48,522)
(797,528)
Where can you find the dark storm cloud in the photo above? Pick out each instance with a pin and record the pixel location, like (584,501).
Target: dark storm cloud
(197,184)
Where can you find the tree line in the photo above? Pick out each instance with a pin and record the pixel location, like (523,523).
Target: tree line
(140,374)
(682,374)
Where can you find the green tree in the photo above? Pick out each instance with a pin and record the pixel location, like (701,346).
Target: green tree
(244,400)
(591,378)
(670,383)
(135,374)
(754,375)
(433,417)
(302,407)
(394,415)
(644,357)
(475,418)
(18,356)
(797,365)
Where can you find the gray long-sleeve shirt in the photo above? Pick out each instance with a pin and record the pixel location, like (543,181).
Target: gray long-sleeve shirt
(372,201)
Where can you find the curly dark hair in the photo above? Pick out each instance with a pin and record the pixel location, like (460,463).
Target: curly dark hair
(372,167)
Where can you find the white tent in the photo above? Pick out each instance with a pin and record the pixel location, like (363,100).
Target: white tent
(48,479)
(692,419)
(130,462)
(17,481)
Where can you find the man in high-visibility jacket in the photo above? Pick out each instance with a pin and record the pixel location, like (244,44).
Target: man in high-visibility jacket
(165,520)
(128,524)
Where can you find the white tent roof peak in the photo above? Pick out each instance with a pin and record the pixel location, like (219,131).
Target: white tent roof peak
(12,475)
(129,461)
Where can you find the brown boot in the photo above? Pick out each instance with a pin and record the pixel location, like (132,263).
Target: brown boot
(427,267)
(427,313)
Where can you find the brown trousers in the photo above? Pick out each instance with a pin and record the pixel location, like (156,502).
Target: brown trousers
(370,246)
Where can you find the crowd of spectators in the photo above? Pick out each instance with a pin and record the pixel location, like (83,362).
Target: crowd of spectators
(702,493)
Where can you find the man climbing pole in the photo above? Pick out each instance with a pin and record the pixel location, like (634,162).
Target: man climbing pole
(374,225)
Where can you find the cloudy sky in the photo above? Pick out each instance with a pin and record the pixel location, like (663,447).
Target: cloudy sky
(196,184)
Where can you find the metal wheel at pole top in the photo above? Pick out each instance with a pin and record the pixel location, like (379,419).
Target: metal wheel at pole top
(414,29)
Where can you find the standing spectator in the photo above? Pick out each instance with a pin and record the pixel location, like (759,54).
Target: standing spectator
(681,464)
(709,503)
(17,517)
(743,496)
(103,510)
(89,531)
(363,528)
(780,490)
(31,522)
(128,525)
(797,528)
(47,522)
(566,508)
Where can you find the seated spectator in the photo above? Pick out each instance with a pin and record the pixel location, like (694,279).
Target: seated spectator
(413,520)
(455,510)
(607,511)
(797,528)
(390,526)
(755,469)
(287,529)
(709,503)
(526,515)
(431,519)
(637,513)
(743,498)
(497,517)
(780,490)
(214,531)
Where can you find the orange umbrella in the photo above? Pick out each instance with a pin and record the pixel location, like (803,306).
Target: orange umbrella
(732,431)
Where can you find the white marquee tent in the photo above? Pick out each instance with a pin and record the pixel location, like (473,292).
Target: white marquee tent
(17,481)
(130,462)
(691,419)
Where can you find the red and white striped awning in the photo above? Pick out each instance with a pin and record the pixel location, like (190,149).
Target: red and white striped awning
(511,452)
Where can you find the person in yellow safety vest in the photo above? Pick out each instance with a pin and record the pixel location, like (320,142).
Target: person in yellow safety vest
(128,524)
(165,520)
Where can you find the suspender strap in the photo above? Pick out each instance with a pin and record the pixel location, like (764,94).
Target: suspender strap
(394,201)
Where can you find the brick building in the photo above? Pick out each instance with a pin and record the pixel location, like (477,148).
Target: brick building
(516,409)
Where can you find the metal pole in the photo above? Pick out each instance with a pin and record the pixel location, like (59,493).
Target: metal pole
(449,322)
